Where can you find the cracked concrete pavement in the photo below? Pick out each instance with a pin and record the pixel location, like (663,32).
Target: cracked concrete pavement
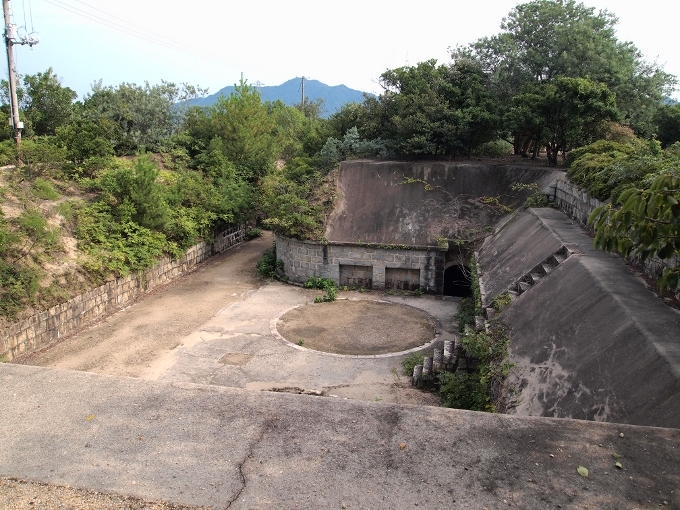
(220,445)
(245,332)
(225,447)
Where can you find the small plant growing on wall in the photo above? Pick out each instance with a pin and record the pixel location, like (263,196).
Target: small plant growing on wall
(501,301)
(536,198)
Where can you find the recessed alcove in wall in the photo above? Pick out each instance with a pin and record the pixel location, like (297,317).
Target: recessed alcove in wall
(399,278)
(356,276)
(457,281)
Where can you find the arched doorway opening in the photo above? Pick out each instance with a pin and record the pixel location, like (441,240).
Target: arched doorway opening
(457,281)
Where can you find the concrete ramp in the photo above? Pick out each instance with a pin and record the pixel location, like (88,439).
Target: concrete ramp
(221,448)
(413,203)
(515,250)
(590,340)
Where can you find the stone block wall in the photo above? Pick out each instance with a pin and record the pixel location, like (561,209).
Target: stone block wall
(574,201)
(43,328)
(302,259)
(578,204)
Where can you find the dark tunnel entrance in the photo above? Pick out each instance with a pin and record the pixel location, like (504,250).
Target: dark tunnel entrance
(457,281)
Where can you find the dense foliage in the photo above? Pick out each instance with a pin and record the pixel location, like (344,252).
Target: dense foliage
(157,174)
(552,80)
(647,223)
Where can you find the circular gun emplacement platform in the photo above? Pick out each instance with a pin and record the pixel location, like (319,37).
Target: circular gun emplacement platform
(360,327)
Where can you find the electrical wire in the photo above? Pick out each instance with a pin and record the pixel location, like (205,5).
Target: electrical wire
(110,24)
(152,38)
(125,21)
(30,11)
(23,4)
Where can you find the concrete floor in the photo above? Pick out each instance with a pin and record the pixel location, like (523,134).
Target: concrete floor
(240,347)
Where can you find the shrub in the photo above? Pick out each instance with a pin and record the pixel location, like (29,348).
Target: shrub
(8,152)
(492,149)
(466,313)
(411,361)
(41,156)
(268,265)
(115,247)
(536,197)
(479,390)
(252,233)
(44,190)
(463,391)
(18,286)
(318,283)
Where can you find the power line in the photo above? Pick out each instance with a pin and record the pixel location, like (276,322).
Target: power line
(30,11)
(124,21)
(152,38)
(110,24)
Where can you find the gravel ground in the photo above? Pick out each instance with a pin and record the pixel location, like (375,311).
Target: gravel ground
(24,495)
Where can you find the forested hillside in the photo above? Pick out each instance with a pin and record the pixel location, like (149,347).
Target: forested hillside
(107,184)
(330,99)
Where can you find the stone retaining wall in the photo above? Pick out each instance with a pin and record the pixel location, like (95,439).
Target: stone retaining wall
(575,202)
(45,327)
(302,259)
(578,204)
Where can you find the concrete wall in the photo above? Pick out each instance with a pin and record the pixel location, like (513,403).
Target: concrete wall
(589,340)
(579,205)
(302,259)
(45,327)
(414,203)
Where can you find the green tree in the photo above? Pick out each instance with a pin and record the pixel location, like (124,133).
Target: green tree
(668,124)
(44,103)
(646,223)
(562,114)
(432,110)
(297,133)
(83,140)
(135,194)
(245,128)
(133,117)
(48,103)
(543,40)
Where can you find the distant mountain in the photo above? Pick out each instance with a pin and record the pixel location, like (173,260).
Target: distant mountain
(290,93)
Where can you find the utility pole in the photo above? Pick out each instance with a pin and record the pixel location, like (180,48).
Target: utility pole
(302,101)
(10,40)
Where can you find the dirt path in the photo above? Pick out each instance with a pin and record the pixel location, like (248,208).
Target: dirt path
(126,343)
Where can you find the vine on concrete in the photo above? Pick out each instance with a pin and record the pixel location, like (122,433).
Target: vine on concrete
(480,389)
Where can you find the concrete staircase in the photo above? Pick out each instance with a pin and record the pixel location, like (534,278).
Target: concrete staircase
(531,278)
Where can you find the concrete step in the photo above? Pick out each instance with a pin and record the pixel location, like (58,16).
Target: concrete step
(533,278)
(523,286)
(558,258)
(547,268)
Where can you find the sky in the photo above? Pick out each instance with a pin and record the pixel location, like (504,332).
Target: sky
(211,42)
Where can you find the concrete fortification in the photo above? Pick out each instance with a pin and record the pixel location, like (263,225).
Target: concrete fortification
(589,339)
